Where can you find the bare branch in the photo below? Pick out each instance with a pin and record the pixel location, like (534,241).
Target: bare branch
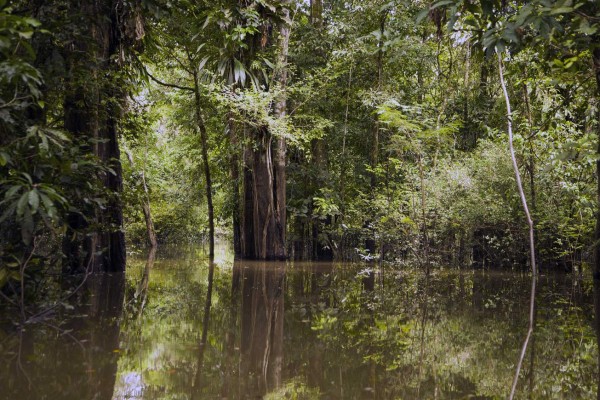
(529,222)
(171,85)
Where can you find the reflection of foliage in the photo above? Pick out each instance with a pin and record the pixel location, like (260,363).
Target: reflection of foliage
(352,327)
(294,389)
(411,338)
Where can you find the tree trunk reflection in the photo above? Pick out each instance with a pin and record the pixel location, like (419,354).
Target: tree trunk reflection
(262,326)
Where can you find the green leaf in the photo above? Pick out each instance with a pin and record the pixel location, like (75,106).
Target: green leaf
(442,3)
(26,35)
(34,200)
(33,22)
(22,204)
(586,29)
(12,191)
(561,10)
(421,15)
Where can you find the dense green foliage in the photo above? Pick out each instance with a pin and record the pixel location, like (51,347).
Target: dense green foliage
(439,175)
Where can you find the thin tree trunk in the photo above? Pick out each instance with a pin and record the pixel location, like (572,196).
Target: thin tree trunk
(529,222)
(280,148)
(148,216)
(234,171)
(596,274)
(145,203)
(206,167)
(316,13)
(531,164)
(374,156)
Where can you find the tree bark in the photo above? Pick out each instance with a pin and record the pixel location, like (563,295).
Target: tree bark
(280,148)
(234,171)
(596,272)
(148,215)
(316,13)
(264,209)
(529,222)
(206,167)
(92,108)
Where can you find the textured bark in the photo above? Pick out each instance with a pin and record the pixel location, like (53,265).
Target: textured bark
(280,145)
(92,108)
(264,212)
(316,13)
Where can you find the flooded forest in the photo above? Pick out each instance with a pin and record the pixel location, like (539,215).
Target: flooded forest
(299,199)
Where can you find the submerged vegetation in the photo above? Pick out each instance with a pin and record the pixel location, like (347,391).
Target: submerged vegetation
(372,131)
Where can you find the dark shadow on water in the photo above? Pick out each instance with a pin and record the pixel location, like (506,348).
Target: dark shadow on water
(72,359)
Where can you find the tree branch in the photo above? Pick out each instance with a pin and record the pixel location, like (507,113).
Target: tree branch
(171,85)
(529,222)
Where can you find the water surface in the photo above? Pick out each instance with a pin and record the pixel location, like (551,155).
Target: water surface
(176,328)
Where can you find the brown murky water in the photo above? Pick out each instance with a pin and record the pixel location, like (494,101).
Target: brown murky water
(173,329)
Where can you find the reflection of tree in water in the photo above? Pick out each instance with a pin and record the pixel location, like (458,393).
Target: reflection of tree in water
(76,359)
(262,286)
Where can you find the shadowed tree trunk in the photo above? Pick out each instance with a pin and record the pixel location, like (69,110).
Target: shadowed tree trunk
(92,109)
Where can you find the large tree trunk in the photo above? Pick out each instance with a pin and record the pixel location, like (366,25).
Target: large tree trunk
(247,228)
(92,109)
(264,209)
